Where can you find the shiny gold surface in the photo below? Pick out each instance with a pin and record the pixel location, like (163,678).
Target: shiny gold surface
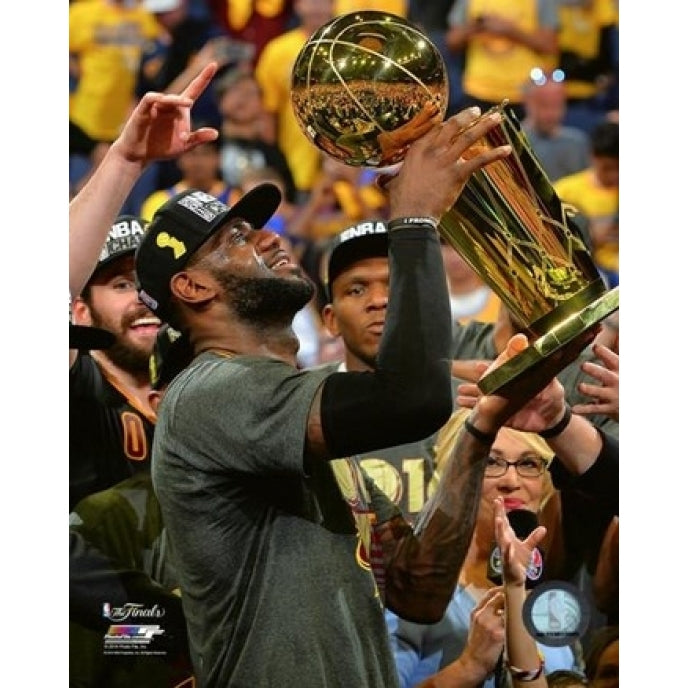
(513,230)
(556,348)
(363,87)
(516,234)
(359,86)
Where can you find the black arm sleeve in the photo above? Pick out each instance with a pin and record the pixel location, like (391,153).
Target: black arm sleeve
(600,482)
(409,395)
(588,503)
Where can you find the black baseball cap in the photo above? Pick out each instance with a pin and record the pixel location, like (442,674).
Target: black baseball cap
(172,352)
(363,240)
(86,338)
(181,226)
(123,239)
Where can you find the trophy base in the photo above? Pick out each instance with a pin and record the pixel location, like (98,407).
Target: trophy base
(555,349)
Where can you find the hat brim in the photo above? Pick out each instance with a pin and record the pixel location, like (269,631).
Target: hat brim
(256,206)
(82,337)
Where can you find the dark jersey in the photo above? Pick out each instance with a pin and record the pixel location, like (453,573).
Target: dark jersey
(110,435)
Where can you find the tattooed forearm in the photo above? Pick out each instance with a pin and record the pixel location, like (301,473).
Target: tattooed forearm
(424,564)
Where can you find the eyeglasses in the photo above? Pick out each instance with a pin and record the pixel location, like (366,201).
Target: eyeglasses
(539,77)
(530,467)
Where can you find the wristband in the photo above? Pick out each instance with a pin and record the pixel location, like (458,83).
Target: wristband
(522,675)
(399,222)
(485,437)
(559,427)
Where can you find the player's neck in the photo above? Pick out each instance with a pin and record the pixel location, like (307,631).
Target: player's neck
(281,345)
(354,363)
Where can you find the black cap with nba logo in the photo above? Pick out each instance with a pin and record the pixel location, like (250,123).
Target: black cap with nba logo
(181,226)
(363,240)
(123,239)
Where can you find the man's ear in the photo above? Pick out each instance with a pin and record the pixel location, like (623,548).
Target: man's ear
(81,313)
(193,287)
(329,319)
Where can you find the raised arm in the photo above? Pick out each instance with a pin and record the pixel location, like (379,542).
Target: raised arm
(585,468)
(159,128)
(423,566)
(522,657)
(409,395)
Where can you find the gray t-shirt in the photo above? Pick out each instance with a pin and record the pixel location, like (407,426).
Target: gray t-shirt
(275,574)
(565,153)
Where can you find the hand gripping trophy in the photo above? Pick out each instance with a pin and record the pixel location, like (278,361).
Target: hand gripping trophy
(363,87)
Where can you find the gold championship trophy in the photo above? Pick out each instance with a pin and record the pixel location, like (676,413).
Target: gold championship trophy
(360,85)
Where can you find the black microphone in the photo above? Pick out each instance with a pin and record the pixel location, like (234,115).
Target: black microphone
(524,523)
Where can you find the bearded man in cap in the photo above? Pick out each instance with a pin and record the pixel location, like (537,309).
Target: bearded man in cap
(286,551)
(111,422)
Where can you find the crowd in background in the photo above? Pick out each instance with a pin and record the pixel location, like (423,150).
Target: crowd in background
(567,98)
(555,60)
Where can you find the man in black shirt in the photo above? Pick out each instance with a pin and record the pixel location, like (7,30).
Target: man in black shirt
(111,423)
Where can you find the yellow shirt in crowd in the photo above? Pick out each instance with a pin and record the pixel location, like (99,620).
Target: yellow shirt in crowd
(397,7)
(273,72)
(496,67)
(107,41)
(580,28)
(598,204)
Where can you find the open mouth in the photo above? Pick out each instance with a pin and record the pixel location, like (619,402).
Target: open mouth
(281,260)
(147,325)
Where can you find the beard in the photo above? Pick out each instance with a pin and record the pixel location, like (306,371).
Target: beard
(128,357)
(266,301)
(122,353)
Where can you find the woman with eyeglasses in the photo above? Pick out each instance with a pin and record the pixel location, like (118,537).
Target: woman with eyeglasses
(466,645)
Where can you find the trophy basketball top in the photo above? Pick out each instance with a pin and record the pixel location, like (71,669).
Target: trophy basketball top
(363,86)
